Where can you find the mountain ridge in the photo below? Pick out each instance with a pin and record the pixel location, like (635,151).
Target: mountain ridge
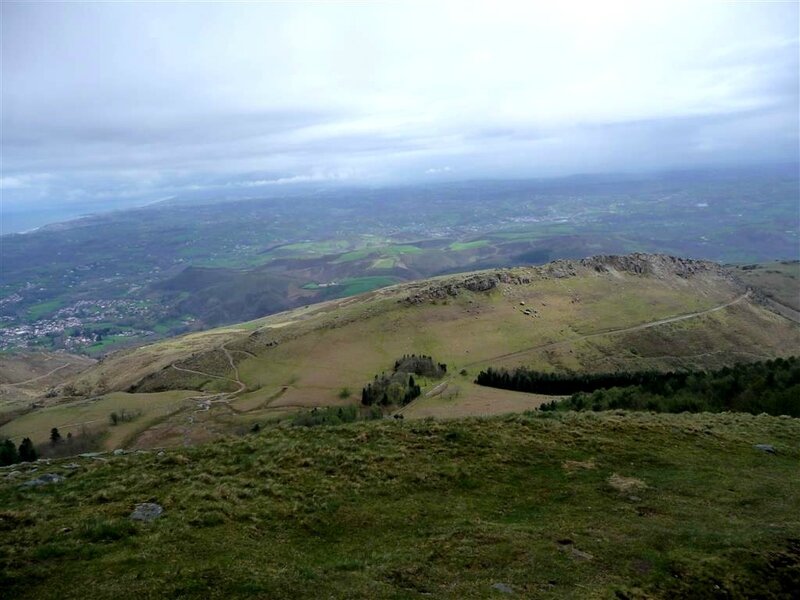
(601,313)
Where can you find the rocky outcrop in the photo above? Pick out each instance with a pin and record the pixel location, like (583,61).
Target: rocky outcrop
(481,282)
(655,265)
(659,265)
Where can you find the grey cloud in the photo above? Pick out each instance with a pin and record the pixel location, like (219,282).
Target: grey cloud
(147,100)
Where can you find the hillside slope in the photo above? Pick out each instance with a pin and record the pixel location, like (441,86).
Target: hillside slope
(568,506)
(26,377)
(599,314)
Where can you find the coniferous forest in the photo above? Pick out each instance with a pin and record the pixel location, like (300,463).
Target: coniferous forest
(771,387)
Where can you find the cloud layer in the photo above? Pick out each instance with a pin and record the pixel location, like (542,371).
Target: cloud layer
(108,101)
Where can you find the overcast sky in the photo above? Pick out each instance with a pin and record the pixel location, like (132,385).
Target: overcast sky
(146,101)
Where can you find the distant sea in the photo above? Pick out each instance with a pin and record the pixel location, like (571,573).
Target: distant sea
(22,219)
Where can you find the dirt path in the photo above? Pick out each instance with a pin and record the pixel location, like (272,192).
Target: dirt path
(610,332)
(242,385)
(204,403)
(247,352)
(38,377)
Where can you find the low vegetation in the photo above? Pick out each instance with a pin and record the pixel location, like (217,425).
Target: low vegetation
(123,416)
(336,416)
(555,505)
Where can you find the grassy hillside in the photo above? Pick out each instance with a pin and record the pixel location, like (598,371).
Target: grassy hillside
(26,377)
(780,281)
(638,312)
(553,506)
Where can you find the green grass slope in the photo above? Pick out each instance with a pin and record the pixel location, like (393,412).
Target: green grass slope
(552,506)
(636,312)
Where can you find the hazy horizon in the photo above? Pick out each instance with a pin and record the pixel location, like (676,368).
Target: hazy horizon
(108,105)
(28,217)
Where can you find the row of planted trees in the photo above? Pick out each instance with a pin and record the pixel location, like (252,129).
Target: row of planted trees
(771,387)
(523,379)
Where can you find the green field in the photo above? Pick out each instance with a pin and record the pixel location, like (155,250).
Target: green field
(360,285)
(458,246)
(93,414)
(384,263)
(566,506)
(385,252)
(37,311)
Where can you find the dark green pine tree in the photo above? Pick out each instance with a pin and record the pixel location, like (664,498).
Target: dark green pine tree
(8,453)
(55,436)
(27,452)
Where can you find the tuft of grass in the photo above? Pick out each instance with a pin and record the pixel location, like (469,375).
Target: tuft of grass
(106,530)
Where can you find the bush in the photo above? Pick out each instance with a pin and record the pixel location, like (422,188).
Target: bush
(326,416)
(124,416)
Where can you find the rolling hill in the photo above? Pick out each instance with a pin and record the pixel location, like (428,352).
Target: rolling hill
(604,313)
(629,505)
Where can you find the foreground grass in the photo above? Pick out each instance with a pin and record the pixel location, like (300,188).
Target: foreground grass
(566,505)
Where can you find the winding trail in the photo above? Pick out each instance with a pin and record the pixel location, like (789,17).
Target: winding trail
(596,334)
(205,402)
(242,385)
(38,377)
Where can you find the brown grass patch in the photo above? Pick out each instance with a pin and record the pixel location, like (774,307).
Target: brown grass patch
(626,485)
(577,465)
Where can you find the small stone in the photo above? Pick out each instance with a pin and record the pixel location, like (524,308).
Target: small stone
(768,448)
(580,555)
(502,588)
(119,452)
(45,479)
(161,453)
(90,454)
(13,474)
(72,466)
(147,511)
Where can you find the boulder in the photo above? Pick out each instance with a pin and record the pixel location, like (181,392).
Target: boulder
(45,479)
(147,511)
